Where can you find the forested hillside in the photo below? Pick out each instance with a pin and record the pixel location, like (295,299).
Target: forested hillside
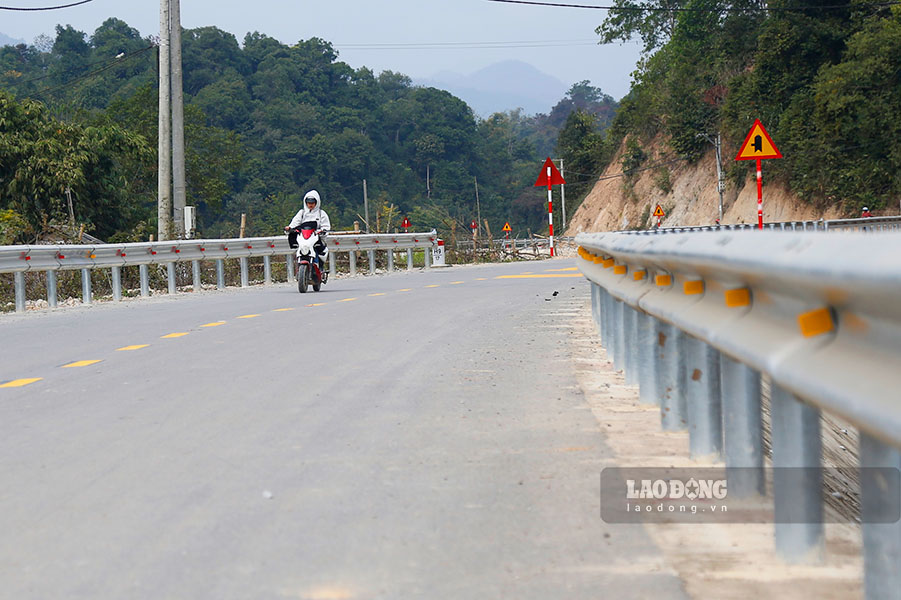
(824,80)
(264,123)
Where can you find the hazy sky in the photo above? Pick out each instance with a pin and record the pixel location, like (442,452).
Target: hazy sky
(369,25)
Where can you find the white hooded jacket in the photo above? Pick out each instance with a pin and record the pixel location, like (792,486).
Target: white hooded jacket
(317,214)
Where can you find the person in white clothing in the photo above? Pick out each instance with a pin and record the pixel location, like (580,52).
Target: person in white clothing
(311,212)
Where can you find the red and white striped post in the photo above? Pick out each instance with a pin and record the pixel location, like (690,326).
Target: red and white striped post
(759,194)
(550,211)
(550,177)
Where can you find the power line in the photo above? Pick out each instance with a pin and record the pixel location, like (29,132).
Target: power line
(98,62)
(45,7)
(467,45)
(686,9)
(50,90)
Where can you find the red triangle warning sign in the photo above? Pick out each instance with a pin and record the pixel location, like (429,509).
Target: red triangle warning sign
(507,227)
(758,145)
(658,212)
(555,179)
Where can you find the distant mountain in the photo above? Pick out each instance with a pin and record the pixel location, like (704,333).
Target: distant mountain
(502,86)
(5,40)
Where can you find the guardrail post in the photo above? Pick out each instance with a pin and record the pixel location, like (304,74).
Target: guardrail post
(646,365)
(371,255)
(170,275)
(245,274)
(595,313)
(797,478)
(353,263)
(390,261)
(117,284)
(220,274)
(267,270)
(673,409)
(409,259)
(331,262)
(195,276)
(144,271)
(608,317)
(619,334)
(20,291)
(702,391)
(52,293)
(743,428)
(289,265)
(427,257)
(86,296)
(630,349)
(881,540)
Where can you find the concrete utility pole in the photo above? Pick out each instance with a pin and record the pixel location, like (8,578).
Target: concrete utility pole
(164,189)
(178,120)
(366,206)
(720,179)
(563,196)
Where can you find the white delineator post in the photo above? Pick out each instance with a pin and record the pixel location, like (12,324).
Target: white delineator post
(550,211)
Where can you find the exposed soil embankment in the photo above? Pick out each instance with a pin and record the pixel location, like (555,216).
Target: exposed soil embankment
(686,192)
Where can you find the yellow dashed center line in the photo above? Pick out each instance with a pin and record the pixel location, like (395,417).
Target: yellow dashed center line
(373,295)
(481,279)
(248,316)
(175,335)
(347,300)
(320,304)
(81,363)
(405,290)
(20,382)
(282,309)
(129,348)
(216,324)
(561,270)
(433,286)
(457,282)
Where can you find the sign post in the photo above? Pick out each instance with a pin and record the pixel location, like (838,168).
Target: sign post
(758,146)
(658,212)
(507,230)
(550,177)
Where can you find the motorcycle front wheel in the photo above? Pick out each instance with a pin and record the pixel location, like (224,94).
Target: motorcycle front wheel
(302,275)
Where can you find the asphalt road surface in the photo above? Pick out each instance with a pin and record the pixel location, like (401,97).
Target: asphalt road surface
(414,435)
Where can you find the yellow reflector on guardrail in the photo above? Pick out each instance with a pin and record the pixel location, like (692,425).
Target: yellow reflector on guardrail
(693,288)
(608,263)
(639,275)
(738,297)
(619,270)
(664,280)
(816,322)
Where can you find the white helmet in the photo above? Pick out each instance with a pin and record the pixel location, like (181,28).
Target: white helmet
(312,195)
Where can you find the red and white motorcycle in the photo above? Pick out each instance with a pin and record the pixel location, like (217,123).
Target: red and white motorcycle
(310,264)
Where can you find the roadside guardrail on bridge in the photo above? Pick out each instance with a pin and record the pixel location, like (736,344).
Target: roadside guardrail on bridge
(695,320)
(85,257)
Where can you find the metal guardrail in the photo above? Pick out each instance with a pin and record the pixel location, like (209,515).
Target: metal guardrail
(695,320)
(868,224)
(518,243)
(85,257)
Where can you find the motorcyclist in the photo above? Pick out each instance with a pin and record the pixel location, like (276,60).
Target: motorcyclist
(311,211)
